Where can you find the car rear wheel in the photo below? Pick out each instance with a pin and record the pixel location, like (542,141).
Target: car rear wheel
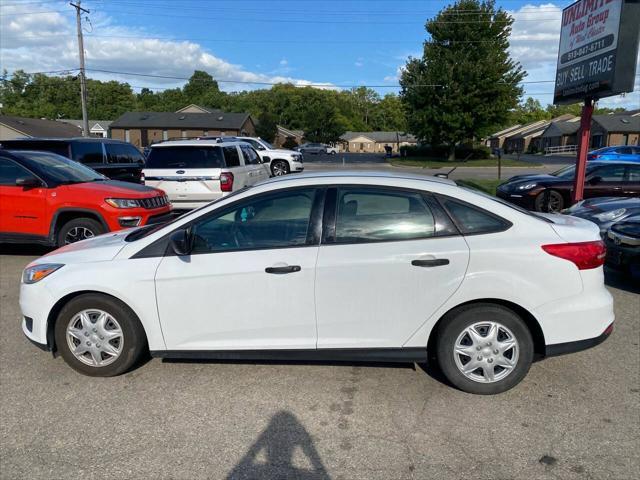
(279,168)
(549,201)
(99,336)
(484,349)
(78,229)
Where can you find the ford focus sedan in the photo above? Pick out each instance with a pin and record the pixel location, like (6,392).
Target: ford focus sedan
(330,266)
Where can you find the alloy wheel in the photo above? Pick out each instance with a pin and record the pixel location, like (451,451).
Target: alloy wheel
(76,234)
(95,337)
(486,352)
(279,169)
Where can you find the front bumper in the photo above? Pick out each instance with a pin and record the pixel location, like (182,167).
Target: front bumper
(297,167)
(622,257)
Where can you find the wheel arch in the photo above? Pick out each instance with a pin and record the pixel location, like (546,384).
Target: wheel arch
(63,215)
(539,344)
(60,304)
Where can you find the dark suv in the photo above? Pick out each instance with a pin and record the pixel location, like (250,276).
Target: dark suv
(113,158)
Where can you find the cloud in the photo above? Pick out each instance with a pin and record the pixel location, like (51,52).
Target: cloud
(47,42)
(359,62)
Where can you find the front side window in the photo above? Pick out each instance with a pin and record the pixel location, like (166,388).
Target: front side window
(610,173)
(274,221)
(634,173)
(250,155)
(185,157)
(371,215)
(11,171)
(87,152)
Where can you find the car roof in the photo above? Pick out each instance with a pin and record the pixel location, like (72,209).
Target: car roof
(61,140)
(359,174)
(195,143)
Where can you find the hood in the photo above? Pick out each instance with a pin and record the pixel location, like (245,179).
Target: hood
(629,228)
(605,204)
(282,151)
(116,189)
(98,249)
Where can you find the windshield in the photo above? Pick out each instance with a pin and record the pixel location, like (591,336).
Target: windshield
(58,168)
(568,172)
(185,157)
(267,144)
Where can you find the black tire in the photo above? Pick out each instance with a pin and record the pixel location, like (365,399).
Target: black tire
(134,338)
(332,152)
(80,224)
(457,321)
(276,170)
(550,201)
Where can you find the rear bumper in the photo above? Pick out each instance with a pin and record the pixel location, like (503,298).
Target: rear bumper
(578,346)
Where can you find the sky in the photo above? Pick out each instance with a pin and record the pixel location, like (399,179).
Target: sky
(324,43)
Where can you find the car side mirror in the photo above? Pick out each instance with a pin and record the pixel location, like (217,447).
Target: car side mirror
(266,159)
(182,242)
(595,180)
(28,182)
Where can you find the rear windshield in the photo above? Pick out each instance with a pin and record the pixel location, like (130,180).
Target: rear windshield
(185,157)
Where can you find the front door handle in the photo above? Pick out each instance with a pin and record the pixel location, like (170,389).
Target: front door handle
(283,270)
(436,262)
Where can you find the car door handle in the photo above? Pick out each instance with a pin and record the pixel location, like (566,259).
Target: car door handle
(283,270)
(435,262)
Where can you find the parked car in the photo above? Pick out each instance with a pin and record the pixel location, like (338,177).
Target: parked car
(195,172)
(281,161)
(314,148)
(625,153)
(552,192)
(605,211)
(112,158)
(331,150)
(316,266)
(48,199)
(623,246)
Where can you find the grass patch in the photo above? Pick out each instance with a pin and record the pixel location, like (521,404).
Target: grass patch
(441,163)
(487,186)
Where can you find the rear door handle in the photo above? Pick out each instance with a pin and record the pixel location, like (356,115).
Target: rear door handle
(283,270)
(436,262)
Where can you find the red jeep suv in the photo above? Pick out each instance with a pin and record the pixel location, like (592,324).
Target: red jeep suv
(48,199)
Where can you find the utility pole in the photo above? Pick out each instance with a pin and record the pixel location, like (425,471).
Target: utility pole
(83,78)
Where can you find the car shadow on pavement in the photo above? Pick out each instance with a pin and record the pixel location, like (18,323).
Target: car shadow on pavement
(20,249)
(283,450)
(330,363)
(621,281)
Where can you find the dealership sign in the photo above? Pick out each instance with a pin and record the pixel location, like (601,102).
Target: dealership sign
(598,49)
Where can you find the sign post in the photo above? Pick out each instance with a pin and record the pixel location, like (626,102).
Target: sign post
(596,59)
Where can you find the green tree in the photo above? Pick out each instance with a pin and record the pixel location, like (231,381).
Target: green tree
(465,83)
(529,111)
(266,126)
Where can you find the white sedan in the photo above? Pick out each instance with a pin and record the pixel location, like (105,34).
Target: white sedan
(335,266)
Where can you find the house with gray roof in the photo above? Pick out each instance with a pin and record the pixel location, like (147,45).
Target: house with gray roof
(97,128)
(374,142)
(615,129)
(146,128)
(22,127)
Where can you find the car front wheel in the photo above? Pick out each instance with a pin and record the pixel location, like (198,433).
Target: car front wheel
(99,336)
(279,168)
(484,349)
(78,229)
(549,201)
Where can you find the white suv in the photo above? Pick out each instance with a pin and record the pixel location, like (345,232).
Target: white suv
(282,161)
(195,172)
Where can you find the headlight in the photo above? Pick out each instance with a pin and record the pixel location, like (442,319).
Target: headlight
(122,202)
(526,186)
(35,273)
(612,215)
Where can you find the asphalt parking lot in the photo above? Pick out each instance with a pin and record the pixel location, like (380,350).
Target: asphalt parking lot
(573,417)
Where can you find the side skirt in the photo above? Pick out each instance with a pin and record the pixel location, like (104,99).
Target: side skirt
(401,355)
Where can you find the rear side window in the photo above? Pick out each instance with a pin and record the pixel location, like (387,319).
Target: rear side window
(373,215)
(634,173)
(185,157)
(61,148)
(87,152)
(122,153)
(231,157)
(471,220)
(11,171)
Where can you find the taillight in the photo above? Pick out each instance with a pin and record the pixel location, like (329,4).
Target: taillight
(226,181)
(584,255)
